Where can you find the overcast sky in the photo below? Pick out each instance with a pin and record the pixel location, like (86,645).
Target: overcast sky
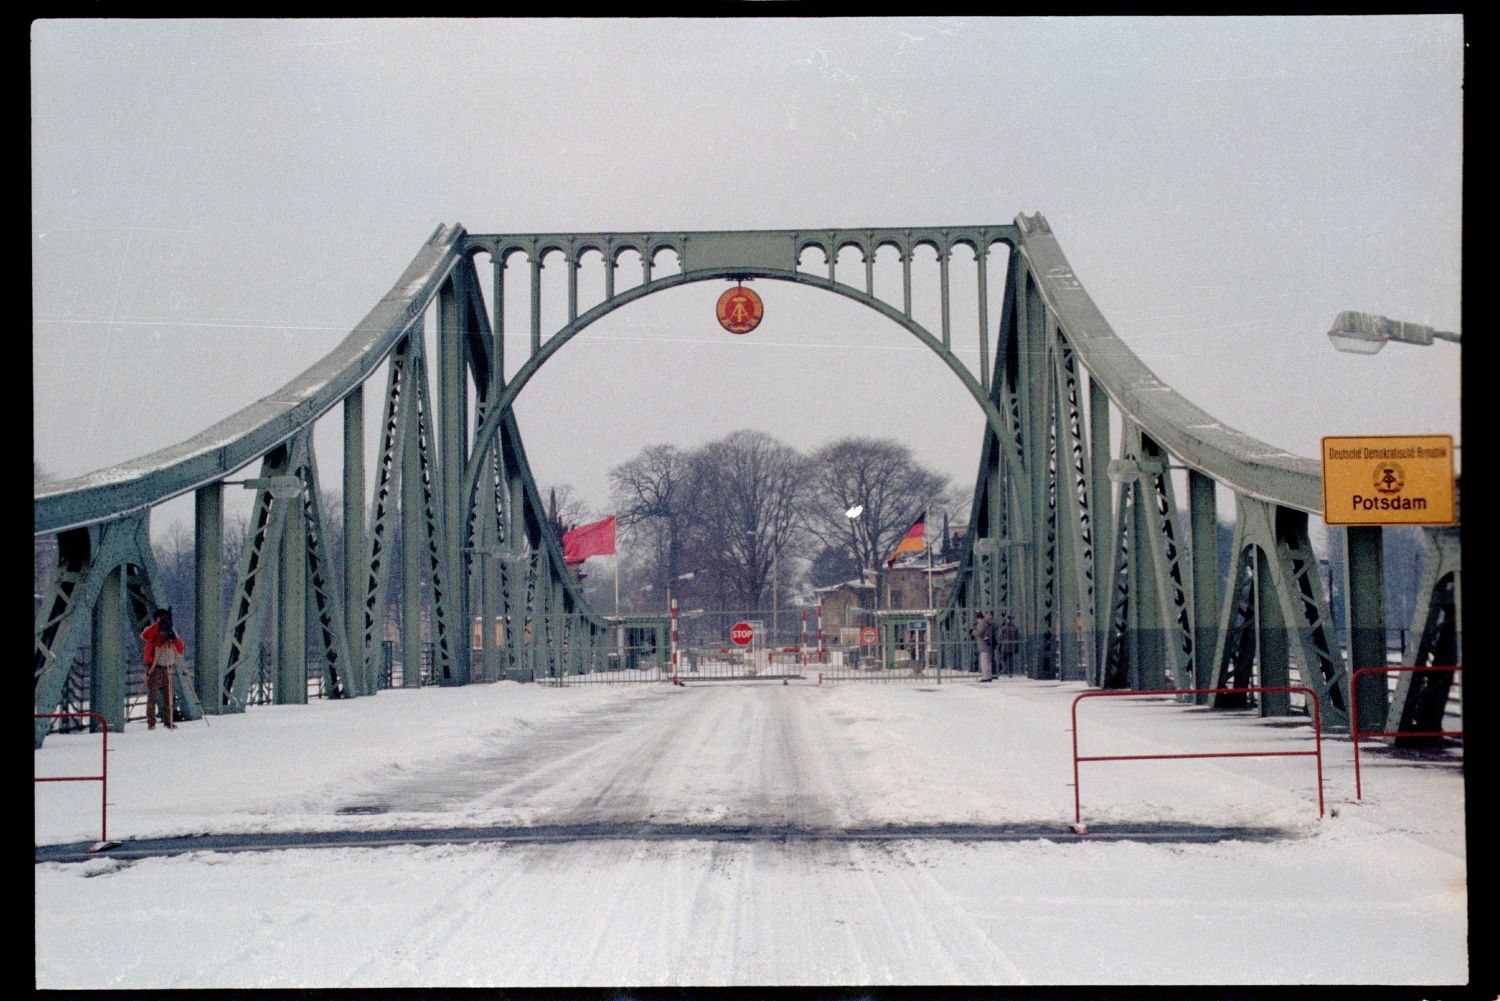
(216,203)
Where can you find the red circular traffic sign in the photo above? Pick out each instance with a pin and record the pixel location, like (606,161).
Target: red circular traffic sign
(867,634)
(739,310)
(741,633)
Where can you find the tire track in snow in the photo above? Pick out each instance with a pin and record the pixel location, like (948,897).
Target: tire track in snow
(963,925)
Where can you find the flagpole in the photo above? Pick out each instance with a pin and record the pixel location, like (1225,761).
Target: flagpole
(617,583)
(929,578)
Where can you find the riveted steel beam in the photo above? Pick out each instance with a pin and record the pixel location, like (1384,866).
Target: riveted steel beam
(1364,606)
(1420,699)
(1251,467)
(358,680)
(276,493)
(102,589)
(1043,526)
(251,433)
(1275,615)
(208,607)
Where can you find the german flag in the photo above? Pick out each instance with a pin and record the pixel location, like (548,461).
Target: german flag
(911,542)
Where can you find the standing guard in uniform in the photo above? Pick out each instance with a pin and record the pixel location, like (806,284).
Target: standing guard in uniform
(1010,645)
(984,637)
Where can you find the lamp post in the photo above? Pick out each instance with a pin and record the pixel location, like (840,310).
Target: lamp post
(853,514)
(1366,333)
(682,576)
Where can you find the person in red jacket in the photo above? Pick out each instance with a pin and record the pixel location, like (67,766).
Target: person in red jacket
(164,650)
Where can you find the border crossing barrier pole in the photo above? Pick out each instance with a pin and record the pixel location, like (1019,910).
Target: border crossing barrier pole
(822,655)
(804,636)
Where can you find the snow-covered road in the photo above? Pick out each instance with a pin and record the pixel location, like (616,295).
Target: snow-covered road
(1374,893)
(723,752)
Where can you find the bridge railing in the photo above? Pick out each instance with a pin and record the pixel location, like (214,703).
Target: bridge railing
(102,778)
(1316,753)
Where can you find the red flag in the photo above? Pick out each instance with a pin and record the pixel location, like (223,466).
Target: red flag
(911,542)
(595,539)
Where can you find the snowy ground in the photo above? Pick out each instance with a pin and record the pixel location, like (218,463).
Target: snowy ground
(750,833)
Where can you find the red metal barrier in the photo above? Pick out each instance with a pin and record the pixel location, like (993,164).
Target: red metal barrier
(102,778)
(1312,700)
(1355,732)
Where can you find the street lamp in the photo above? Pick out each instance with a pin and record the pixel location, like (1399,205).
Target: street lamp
(1366,333)
(682,576)
(853,514)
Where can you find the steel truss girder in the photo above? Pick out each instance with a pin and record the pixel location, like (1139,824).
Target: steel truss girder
(248,603)
(253,432)
(115,554)
(1076,512)
(1049,327)
(756,255)
(1116,662)
(327,604)
(1275,612)
(433,526)
(1161,557)
(1420,699)
(286,521)
(377,571)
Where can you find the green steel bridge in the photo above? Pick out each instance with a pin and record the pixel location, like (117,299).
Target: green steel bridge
(1074,517)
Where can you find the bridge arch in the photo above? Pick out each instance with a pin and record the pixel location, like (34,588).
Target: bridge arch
(485,434)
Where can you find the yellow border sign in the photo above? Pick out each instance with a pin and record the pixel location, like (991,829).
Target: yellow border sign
(1389,480)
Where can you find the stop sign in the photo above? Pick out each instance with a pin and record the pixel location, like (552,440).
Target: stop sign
(741,633)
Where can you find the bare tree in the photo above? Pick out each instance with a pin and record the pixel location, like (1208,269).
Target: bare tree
(176,583)
(748,490)
(564,503)
(651,494)
(880,477)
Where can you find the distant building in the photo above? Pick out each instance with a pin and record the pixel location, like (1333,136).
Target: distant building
(905,585)
(848,605)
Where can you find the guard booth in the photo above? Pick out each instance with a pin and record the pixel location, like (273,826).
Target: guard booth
(906,637)
(638,642)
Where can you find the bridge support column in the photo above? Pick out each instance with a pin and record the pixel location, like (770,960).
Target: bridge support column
(514,658)
(1364,615)
(1146,652)
(1271,640)
(413,541)
(108,672)
(359,672)
(452,444)
(536,643)
(208,555)
(486,571)
(1420,699)
(291,612)
(1203,536)
(1069,616)
(1103,521)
